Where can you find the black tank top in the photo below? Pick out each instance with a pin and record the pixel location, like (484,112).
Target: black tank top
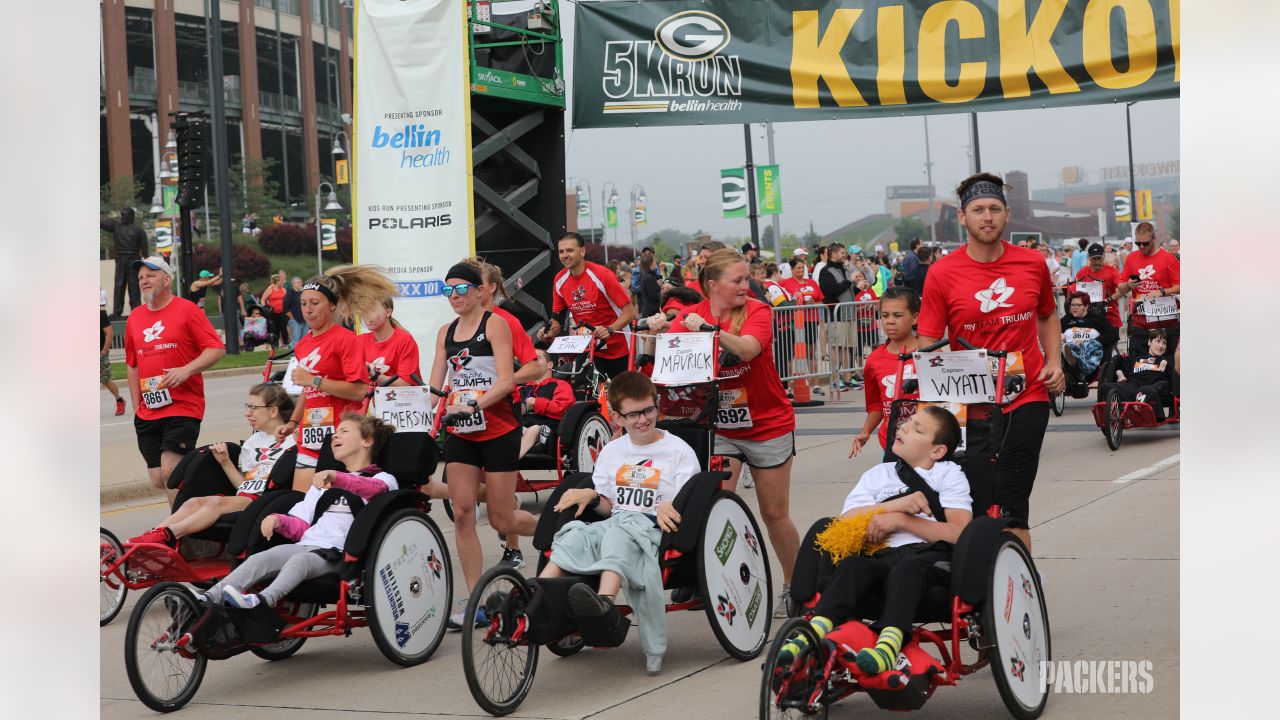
(472,372)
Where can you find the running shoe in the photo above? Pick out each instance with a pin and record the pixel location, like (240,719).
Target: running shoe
(512,557)
(455,620)
(235,598)
(157,536)
(684,594)
(782,608)
(119,406)
(585,603)
(747,480)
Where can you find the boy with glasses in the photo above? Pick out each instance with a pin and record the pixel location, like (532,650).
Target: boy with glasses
(636,477)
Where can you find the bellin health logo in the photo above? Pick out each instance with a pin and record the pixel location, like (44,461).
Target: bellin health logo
(410,138)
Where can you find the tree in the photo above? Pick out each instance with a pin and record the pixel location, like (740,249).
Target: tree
(252,189)
(766,237)
(908,229)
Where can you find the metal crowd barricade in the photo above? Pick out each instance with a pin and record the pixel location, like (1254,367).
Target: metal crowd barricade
(853,332)
(799,342)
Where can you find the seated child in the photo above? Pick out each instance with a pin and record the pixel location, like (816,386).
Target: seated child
(917,541)
(255,330)
(1082,336)
(268,408)
(1144,377)
(636,478)
(317,524)
(545,400)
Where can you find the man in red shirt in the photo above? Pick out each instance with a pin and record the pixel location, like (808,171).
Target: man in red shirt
(1097,271)
(1148,273)
(591,294)
(168,342)
(998,296)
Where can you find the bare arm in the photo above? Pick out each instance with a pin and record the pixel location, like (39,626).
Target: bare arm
(106,342)
(933,531)
(135,390)
(436,379)
(500,338)
(746,347)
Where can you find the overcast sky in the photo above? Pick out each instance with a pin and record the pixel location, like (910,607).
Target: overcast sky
(834,172)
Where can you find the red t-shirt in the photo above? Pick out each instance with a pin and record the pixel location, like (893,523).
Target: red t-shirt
(595,297)
(397,355)
(1110,278)
(995,305)
(1155,272)
(521,345)
(752,385)
(880,385)
(275,299)
(803,292)
(156,341)
(335,355)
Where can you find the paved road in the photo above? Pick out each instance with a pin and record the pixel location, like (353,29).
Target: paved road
(1106,542)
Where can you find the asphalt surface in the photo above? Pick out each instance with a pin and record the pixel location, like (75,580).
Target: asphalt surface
(1105,529)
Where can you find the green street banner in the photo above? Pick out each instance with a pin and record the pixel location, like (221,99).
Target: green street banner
(733,192)
(169,193)
(706,62)
(640,214)
(768,192)
(328,234)
(411,153)
(611,216)
(584,204)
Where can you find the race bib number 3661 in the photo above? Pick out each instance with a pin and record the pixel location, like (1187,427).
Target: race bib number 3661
(154,396)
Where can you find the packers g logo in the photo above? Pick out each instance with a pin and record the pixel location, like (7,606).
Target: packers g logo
(692,35)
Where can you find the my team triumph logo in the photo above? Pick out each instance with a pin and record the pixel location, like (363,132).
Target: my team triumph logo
(152,333)
(309,362)
(994,296)
(579,293)
(460,361)
(1147,272)
(378,365)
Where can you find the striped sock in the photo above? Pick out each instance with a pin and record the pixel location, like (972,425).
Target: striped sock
(821,626)
(880,658)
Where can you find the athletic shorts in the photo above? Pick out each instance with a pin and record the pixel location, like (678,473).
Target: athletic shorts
(759,454)
(501,454)
(166,434)
(104,368)
(1019,459)
(611,367)
(305,462)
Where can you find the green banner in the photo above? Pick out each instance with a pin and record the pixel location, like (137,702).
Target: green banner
(640,214)
(705,62)
(170,196)
(611,216)
(584,204)
(768,192)
(328,234)
(733,192)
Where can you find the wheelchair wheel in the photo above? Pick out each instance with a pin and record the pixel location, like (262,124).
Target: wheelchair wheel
(589,436)
(499,669)
(111,588)
(285,648)
(1107,374)
(1016,625)
(1114,429)
(1058,403)
(164,670)
(794,690)
(734,576)
(570,644)
(408,582)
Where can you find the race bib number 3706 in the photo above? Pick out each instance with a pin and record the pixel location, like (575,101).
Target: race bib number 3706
(636,488)
(154,396)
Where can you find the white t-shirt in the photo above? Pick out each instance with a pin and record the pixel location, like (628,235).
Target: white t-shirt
(640,477)
(330,531)
(881,483)
(817,270)
(258,455)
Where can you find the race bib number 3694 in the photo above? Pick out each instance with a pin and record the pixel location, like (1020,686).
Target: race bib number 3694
(317,424)
(154,396)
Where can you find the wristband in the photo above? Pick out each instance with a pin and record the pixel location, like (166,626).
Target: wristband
(315,382)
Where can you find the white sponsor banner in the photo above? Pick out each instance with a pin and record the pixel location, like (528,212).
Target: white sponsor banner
(683,358)
(962,376)
(406,408)
(412,153)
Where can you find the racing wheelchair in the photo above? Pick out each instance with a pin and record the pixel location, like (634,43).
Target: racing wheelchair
(395,578)
(994,604)
(717,549)
(1113,415)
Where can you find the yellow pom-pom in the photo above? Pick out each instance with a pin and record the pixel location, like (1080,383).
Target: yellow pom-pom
(848,536)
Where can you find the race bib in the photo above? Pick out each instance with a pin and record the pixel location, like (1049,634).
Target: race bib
(252,485)
(474,422)
(1077,336)
(154,396)
(1092,289)
(636,488)
(1147,365)
(317,424)
(733,412)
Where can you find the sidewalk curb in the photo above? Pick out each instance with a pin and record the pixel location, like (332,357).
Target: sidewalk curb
(126,492)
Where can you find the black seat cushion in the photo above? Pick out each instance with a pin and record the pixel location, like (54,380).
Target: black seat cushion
(322,590)
(221,529)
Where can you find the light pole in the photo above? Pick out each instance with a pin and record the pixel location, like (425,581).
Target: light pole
(637,195)
(611,198)
(928,169)
(331,203)
(1133,192)
(583,188)
(339,152)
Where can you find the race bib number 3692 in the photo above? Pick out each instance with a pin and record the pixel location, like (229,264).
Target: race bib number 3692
(733,412)
(154,396)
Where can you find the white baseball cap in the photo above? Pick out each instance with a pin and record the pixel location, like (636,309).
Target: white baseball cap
(155,262)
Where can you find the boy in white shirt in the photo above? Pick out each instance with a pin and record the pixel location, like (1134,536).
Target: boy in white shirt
(636,477)
(917,540)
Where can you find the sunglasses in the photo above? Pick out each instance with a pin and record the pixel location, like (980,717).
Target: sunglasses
(633,416)
(461,288)
(1142,244)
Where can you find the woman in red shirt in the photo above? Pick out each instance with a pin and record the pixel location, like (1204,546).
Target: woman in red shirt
(330,368)
(273,298)
(755,423)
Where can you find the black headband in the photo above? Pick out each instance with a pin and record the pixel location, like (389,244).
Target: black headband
(466,272)
(323,290)
(982,189)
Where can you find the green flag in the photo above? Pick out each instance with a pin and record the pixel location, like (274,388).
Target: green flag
(733,192)
(584,204)
(768,192)
(611,216)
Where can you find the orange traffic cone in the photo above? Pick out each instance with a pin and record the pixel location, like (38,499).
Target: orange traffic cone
(800,365)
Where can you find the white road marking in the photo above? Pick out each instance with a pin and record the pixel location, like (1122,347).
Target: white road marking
(1149,470)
